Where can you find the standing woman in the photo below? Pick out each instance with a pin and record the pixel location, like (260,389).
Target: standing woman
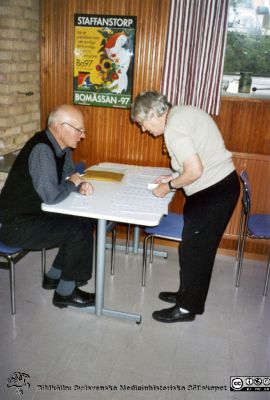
(207,175)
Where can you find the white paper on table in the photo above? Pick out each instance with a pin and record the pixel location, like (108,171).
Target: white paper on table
(81,201)
(139,200)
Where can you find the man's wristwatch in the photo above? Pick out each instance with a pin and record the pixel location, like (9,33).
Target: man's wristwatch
(170,186)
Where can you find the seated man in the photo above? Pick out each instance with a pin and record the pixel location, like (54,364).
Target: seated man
(44,172)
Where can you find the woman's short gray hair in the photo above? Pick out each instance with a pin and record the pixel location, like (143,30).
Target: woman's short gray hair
(147,104)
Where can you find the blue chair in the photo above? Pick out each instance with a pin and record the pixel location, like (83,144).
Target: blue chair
(169,228)
(12,255)
(80,167)
(255,226)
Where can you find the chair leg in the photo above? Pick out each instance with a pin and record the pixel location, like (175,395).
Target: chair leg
(241,253)
(144,258)
(43,263)
(128,239)
(113,250)
(12,285)
(267,277)
(151,249)
(239,241)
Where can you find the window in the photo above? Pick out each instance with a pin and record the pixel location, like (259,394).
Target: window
(248,47)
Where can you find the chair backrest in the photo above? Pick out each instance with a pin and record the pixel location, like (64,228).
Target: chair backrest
(246,196)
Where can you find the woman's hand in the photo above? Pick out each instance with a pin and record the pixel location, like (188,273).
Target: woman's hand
(162,190)
(163,179)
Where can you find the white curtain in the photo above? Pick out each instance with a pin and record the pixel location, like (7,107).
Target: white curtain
(194,54)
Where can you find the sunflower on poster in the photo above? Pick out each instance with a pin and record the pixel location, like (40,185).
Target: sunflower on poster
(110,73)
(107,71)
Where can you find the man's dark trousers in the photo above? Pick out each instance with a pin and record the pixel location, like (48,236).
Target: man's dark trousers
(73,236)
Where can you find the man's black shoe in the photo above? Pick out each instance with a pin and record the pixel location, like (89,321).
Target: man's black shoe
(170,297)
(77,298)
(50,283)
(173,314)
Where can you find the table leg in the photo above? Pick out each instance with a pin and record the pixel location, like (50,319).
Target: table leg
(136,243)
(100,278)
(136,240)
(100,265)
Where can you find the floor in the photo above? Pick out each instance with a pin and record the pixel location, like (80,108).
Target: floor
(70,354)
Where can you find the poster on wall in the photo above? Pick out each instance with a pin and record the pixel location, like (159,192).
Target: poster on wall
(103,60)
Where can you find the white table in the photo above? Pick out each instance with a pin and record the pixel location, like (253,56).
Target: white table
(102,205)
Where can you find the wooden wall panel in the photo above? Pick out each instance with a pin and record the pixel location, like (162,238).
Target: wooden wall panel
(110,134)
(244,123)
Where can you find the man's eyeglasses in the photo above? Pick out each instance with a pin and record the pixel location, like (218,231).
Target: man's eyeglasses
(81,131)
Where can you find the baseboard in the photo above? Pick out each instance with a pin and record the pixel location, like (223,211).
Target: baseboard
(221,251)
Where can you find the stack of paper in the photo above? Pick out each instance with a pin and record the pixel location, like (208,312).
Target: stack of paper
(134,197)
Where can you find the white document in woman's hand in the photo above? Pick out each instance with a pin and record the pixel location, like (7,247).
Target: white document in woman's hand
(152,186)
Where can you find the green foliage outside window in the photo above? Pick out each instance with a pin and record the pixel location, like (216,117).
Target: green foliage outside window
(247,53)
